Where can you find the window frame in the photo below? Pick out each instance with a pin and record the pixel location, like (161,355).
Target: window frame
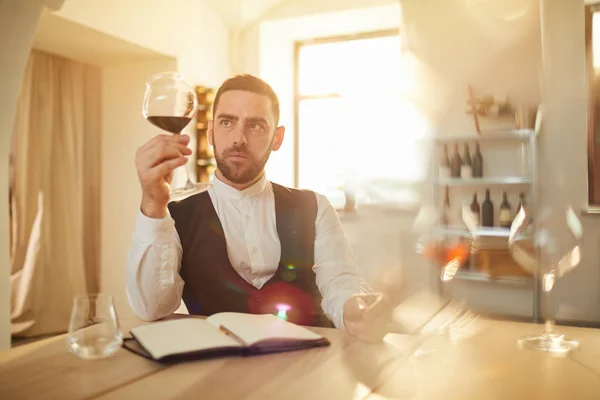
(593,104)
(296,90)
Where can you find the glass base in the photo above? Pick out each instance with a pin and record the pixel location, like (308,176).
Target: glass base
(188,190)
(552,342)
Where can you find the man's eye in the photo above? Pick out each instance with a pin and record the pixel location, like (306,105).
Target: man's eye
(256,127)
(225,123)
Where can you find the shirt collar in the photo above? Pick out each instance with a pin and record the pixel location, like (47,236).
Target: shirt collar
(223,189)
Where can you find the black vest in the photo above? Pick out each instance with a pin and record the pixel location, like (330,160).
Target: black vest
(213,286)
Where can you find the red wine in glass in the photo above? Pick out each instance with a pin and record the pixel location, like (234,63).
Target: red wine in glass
(170,104)
(170,124)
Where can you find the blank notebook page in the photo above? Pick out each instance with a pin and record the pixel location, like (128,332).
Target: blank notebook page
(252,328)
(181,336)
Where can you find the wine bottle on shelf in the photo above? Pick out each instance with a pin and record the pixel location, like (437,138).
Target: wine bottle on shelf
(522,203)
(475,209)
(477,162)
(445,163)
(445,215)
(487,211)
(455,163)
(466,170)
(505,219)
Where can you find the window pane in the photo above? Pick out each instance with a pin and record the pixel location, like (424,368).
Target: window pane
(343,140)
(349,65)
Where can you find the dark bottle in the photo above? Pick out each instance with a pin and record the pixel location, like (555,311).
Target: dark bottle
(487,211)
(455,163)
(350,205)
(445,215)
(477,162)
(523,206)
(467,166)
(522,203)
(445,163)
(475,209)
(505,219)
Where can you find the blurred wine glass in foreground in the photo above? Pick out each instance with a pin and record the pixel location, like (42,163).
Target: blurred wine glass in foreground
(447,244)
(448,247)
(548,247)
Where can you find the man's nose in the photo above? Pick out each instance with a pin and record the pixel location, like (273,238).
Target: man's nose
(239,135)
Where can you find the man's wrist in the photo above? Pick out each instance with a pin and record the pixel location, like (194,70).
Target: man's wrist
(152,210)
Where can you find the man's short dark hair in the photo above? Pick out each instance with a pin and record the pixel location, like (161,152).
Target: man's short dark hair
(249,83)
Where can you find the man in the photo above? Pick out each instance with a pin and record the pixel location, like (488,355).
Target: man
(247,244)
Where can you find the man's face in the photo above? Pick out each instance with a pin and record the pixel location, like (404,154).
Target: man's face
(243,134)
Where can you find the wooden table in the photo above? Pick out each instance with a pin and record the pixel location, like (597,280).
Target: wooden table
(483,364)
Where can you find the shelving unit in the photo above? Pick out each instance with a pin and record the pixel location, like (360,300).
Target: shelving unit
(480,277)
(205,161)
(524,140)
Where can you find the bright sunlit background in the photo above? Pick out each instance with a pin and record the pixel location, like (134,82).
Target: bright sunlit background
(352,117)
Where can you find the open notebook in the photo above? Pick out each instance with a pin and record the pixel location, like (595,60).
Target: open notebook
(219,335)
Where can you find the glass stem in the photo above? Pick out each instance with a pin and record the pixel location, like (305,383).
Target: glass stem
(187,176)
(549,317)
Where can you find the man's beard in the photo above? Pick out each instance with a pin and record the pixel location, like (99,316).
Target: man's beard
(237,173)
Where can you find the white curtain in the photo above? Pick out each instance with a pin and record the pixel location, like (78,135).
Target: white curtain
(55,193)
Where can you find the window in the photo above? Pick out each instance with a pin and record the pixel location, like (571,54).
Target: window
(354,130)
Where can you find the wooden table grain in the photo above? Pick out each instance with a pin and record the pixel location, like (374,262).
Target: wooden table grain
(489,365)
(484,363)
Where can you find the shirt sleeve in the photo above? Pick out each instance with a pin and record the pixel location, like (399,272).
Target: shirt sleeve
(337,274)
(154,286)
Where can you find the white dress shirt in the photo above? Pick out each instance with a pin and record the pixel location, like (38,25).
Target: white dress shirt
(154,287)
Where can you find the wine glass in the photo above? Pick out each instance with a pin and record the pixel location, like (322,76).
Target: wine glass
(448,247)
(447,244)
(548,247)
(170,104)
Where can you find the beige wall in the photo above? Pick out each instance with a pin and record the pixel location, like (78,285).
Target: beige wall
(18,20)
(298,8)
(188,31)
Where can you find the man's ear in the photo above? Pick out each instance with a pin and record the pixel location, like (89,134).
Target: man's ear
(279,134)
(211,126)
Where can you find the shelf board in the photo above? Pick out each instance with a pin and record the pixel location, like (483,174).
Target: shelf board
(492,135)
(509,180)
(482,232)
(482,277)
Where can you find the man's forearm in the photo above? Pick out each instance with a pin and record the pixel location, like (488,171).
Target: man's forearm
(154,287)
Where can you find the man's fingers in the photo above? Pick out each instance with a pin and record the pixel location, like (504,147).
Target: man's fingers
(163,153)
(358,305)
(165,168)
(183,139)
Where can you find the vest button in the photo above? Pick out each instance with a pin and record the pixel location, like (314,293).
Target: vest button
(259,298)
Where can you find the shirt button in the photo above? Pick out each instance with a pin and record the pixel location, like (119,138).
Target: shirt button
(254,250)
(247,218)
